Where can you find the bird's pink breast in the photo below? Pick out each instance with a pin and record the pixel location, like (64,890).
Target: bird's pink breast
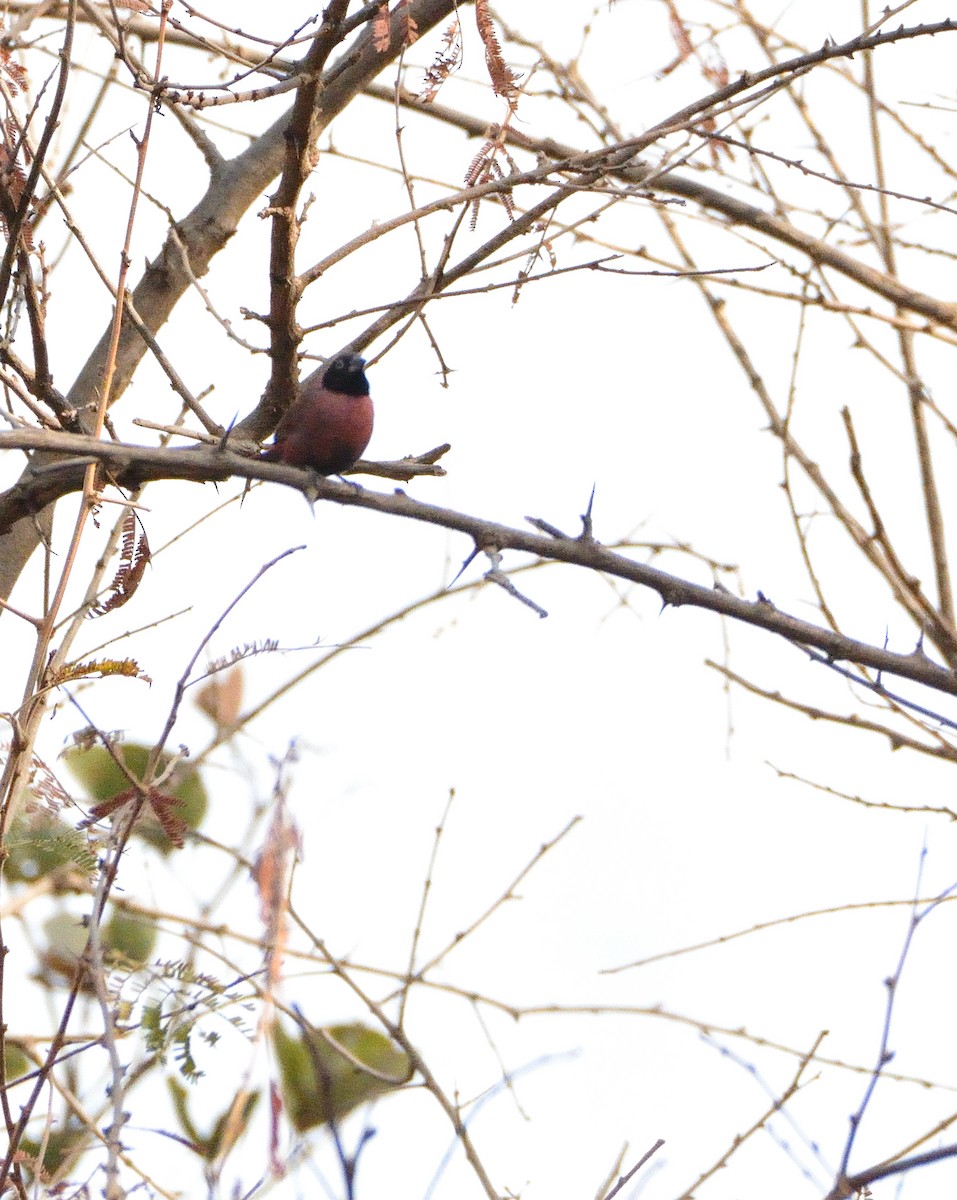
(325,430)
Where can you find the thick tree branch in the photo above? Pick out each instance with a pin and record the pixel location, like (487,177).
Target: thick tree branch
(235,185)
(233,189)
(130,466)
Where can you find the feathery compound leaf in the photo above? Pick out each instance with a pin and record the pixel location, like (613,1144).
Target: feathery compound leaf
(503,80)
(16,74)
(238,653)
(134,555)
(381,29)
(485,167)
(447,60)
(47,793)
(39,844)
(102,667)
(410,30)
(12,182)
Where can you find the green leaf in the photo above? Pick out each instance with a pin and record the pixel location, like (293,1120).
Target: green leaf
(322,1073)
(40,843)
(128,938)
(63,1146)
(15,1062)
(207,1145)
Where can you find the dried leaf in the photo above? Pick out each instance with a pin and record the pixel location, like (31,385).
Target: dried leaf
(271,874)
(485,167)
(172,824)
(13,181)
(679,33)
(382,30)
(503,80)
(108,786)
(134,555)
(221,698)
(16,74)
(447,60)
(410,29)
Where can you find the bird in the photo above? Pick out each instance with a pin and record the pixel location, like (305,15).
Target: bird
(329,424)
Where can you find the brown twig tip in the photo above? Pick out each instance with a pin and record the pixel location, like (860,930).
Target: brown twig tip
(433,456)
(634,1170)
(412,466)
(544,526)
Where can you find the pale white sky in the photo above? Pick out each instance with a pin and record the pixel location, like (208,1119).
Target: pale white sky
(604,710)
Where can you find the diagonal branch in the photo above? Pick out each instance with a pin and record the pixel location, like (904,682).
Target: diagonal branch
(738,211)
(299,159)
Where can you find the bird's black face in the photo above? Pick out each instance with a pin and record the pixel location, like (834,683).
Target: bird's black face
(345,374)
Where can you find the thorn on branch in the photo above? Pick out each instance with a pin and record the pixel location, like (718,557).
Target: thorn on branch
(310,491)
(461,569)
(221,444)
(586,533)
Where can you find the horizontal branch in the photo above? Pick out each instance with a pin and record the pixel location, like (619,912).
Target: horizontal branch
(129,466)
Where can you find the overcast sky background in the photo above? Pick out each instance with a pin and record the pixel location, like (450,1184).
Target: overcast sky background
(604,711)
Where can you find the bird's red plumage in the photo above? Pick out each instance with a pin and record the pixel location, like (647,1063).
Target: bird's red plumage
(330,423)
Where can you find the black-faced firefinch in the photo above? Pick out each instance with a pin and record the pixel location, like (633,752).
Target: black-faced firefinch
(329,424)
